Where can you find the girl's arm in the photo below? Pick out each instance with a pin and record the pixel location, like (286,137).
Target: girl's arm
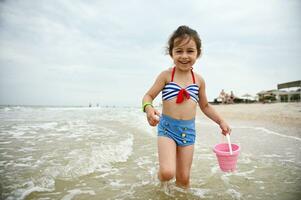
(151,94)
(209,111)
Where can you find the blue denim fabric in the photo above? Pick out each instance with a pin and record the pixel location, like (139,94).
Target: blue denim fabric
(181,131)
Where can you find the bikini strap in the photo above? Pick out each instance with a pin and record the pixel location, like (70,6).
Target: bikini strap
(193,76)
(173,73)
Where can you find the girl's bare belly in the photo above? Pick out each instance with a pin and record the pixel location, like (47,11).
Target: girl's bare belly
(185,110)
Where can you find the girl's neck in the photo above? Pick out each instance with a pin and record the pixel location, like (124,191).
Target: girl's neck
(182,75)
(182,72)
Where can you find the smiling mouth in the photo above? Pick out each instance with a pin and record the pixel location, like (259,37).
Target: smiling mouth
(184,62)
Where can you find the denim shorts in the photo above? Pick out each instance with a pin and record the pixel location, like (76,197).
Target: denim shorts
(180,131)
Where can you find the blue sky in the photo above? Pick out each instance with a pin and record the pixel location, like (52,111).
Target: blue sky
(70,52)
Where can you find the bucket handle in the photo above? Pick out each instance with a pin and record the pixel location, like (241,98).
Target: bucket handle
(229,143)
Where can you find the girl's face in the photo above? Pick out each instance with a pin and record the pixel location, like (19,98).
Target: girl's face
(184,53)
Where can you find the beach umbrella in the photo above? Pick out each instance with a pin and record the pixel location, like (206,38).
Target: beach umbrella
(247,96)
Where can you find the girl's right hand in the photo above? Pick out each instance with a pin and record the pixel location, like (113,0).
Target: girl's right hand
(153,116)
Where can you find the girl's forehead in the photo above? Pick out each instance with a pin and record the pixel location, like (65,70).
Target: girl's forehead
(184,42)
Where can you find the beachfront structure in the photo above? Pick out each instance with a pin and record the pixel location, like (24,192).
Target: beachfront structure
(286,92)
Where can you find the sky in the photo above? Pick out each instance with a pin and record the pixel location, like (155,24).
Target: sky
(109,52)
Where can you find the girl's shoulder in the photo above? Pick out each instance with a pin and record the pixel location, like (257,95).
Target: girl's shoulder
(199,79)
(168,71)
(166,74)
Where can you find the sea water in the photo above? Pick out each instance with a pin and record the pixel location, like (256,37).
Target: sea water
(111,153)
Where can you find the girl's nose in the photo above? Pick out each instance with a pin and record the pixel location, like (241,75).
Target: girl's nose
(184,55)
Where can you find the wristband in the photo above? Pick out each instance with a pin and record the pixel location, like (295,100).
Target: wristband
(146,104)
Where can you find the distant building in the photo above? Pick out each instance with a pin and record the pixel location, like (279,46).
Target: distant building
(286,92)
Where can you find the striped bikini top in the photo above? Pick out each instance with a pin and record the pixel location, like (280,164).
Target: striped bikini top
(172,90)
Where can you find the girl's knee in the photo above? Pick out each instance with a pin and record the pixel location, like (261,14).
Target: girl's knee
(183,180)
(166,174)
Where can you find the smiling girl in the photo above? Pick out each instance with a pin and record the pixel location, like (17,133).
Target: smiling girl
(182,90)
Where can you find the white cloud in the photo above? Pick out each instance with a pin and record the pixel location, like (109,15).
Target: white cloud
(74,52)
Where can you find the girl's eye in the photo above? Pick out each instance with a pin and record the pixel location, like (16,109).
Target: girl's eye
(178,51)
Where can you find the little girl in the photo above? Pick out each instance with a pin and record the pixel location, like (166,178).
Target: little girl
(182,90)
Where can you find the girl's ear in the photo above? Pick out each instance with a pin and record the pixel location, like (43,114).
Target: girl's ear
(201,53)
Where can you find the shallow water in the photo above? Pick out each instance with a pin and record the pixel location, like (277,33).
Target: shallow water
(111,153)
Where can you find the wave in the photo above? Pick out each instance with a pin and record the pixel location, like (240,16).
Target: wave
(78,162)
(268,131)
(263,129)
(276,133)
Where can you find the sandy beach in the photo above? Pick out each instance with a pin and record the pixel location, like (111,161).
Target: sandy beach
(111,153)
(288,114)
(276,116)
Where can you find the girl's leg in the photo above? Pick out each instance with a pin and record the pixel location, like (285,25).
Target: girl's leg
(184,161)
(167,158)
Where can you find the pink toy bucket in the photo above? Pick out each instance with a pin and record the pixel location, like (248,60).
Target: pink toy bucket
(226,161)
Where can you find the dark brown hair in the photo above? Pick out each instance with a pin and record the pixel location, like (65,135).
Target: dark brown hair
(182,33)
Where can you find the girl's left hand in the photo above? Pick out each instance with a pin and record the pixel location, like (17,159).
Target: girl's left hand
(225,128)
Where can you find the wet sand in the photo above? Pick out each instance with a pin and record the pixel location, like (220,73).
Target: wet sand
(283,113)
(284,117)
